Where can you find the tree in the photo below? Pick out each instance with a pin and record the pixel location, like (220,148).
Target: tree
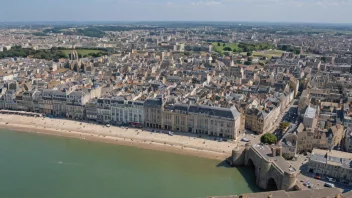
(297,51)
(323,59)
(302,83)
(261,63)
(247,62)
(223,44)
(219,44)
(227,49)
(249,53)
(268,138)
(284,125)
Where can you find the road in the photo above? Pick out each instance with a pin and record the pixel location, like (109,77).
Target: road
(290,115)
(304,176)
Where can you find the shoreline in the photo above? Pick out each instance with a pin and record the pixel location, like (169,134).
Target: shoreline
(143,142)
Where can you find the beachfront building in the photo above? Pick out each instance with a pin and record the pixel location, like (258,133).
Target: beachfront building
(152,112)
(28,100)
(47,101)
(175,117)
(77,99)
(332,163)
(261,119)
(104,110)
(9,99)
(75,102)
(127,112)
(59,103)
(117,111)
(215,121)
(201,119)
(91,111)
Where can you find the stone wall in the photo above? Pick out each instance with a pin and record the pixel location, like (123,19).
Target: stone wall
(266,170)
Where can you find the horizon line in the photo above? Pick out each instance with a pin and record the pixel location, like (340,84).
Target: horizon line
(186,21)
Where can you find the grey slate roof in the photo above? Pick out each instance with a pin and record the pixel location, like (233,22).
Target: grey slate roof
(153,102)
(214,111)
(338,157)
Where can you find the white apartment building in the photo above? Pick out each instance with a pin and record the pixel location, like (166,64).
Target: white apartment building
(126,111)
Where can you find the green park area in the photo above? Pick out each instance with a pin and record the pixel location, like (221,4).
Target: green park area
(267,53)
(50,54)
(221,47)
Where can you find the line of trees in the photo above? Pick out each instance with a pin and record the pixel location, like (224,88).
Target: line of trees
(90,31)
(290,48)
(250,47)
(54,53)
(247,47)
(18,51)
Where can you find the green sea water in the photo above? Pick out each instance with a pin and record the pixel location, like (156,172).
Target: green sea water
(38,166)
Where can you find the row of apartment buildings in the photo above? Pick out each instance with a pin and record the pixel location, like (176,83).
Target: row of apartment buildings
(86,104)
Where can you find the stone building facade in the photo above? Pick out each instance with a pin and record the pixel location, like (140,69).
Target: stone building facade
(201,119)
(348,140)
(307,140)
(335,164)
(260,120)
(271,169)
(152,113)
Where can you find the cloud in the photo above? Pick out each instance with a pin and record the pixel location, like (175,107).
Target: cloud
(205,3)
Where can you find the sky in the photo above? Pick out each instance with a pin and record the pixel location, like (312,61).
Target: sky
(321,11)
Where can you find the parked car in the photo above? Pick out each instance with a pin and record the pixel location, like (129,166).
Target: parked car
(317,177)
(331,179)
(329,185)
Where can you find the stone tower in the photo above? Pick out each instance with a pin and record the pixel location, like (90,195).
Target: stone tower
(74,62)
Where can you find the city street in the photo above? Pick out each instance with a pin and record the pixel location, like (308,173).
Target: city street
(289,115)
(304,176)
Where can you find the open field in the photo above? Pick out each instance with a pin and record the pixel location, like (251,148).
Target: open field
(268,53)
(83,52)
(220,48)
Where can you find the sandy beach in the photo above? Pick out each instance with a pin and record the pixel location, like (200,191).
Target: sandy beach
(182,143)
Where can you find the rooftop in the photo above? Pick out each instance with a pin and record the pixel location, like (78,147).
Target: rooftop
(336,158)
(279,161)
(310,112)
